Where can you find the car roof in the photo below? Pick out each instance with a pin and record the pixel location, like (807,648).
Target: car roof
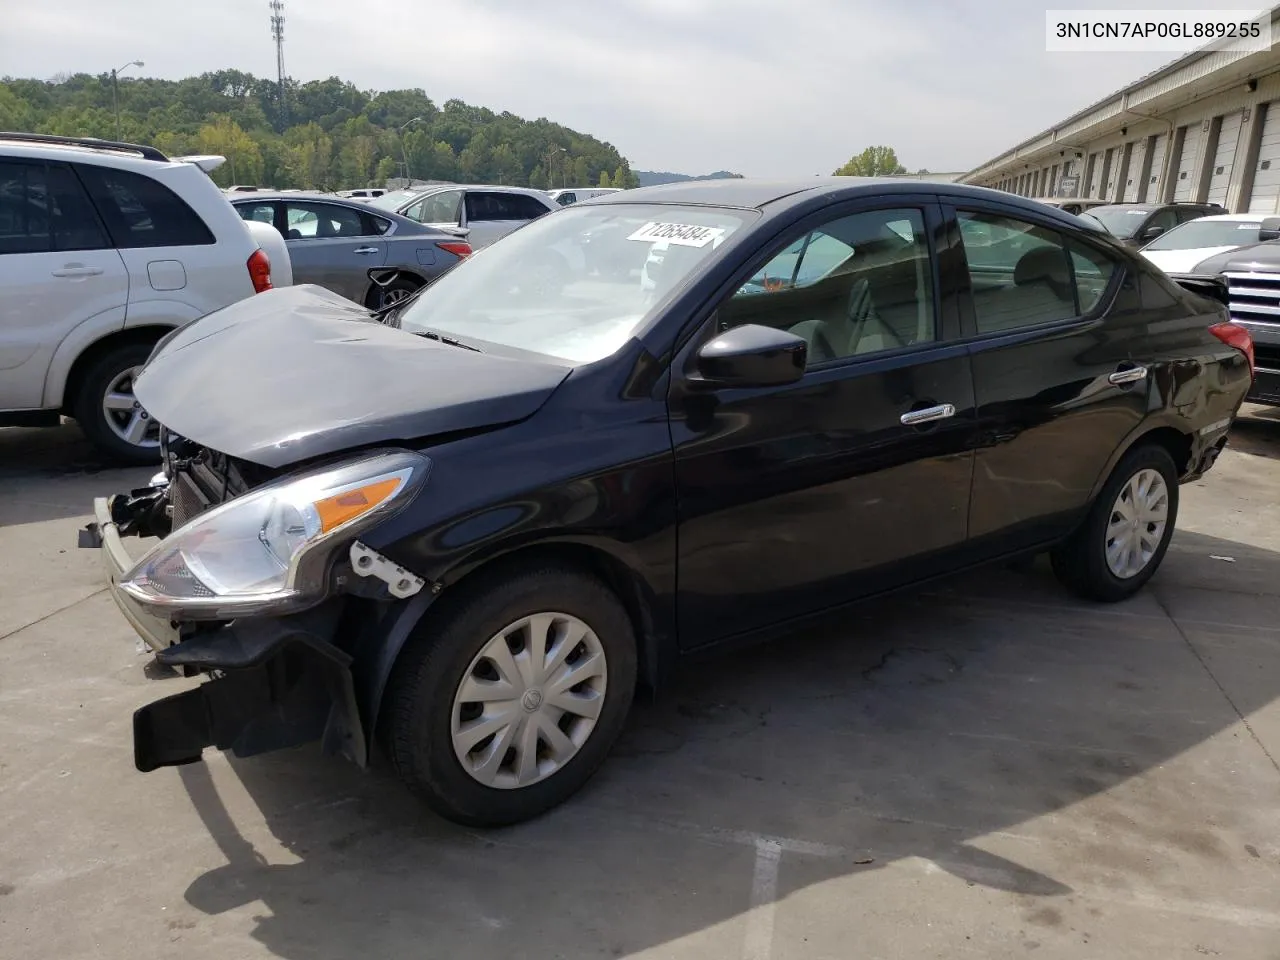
(779,195)
(1237,217)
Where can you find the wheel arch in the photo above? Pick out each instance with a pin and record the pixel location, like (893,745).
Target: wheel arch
(1177,442)
(408,274)
(654,633)
(130,336)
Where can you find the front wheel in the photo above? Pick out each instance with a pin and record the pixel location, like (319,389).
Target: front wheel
(1124,538)
(506,707)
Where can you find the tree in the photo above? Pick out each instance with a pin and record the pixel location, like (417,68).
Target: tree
(332,135)
(225,137)
(872,162)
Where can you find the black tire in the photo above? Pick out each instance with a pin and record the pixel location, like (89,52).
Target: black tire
(417,715)
(1080,562)
(380,298)
(88,410)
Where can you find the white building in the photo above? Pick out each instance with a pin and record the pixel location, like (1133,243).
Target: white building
(1205,128)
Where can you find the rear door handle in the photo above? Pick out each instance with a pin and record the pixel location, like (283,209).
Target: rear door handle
(913,418)
(1132,375)
(365,250)
(71,271)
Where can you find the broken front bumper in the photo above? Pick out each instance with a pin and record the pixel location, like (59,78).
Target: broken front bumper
(276,681)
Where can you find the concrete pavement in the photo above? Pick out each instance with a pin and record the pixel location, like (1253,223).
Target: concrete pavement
(989,768)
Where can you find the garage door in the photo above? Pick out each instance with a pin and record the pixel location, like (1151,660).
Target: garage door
(1187,163)
(1133,176)
(1095,174)
(1266,179)
(1156,170)
(1224,158)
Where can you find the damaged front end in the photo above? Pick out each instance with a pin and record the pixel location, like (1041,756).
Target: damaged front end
(252,585)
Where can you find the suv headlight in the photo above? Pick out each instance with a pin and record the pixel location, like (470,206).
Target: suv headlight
(268,550)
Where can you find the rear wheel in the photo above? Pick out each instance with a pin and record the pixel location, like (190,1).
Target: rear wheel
(1123,540)
(380,298)
(506,707)
(110,414)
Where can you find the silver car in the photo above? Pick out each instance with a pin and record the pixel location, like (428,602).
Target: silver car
(373,257)
(488,212)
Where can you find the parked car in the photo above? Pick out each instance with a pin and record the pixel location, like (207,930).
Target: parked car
(372,257)
(365,193)
(1252,274)
(104,248)
(525,499)
(1075,205)
(1179,250)
(574,194)
(1137,224)
(489,213)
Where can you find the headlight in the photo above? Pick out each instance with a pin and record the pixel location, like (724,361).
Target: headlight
(268,550)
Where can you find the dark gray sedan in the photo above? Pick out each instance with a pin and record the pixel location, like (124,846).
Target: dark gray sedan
(374,257)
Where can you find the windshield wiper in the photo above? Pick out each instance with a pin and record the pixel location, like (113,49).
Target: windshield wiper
(447,341)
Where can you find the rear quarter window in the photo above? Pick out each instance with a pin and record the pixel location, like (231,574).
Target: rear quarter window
(143,212)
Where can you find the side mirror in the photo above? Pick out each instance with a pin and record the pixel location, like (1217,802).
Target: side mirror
(1151,233)
(1269,230)
(752,356)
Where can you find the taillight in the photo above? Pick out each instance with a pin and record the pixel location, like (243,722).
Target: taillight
(260,271)
(1234,335)
(459,248)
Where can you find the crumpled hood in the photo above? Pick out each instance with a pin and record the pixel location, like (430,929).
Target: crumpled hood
(300,372)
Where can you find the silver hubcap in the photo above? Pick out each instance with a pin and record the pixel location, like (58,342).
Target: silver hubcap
(393,296)
(529,700)
(1137,523)
(124,414)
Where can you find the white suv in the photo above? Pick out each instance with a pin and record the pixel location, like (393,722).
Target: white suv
(105,248)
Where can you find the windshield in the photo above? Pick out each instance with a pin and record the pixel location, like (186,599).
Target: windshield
(1208,233)
(1120,221)
(576,284)
(389,201)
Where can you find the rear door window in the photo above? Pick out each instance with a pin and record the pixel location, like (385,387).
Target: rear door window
(142,212)
(24,209)
(322,220)
(1023,274)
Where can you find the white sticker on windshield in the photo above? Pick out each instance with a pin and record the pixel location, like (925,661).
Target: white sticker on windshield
(683,234)
(1137,213)
(1247,226)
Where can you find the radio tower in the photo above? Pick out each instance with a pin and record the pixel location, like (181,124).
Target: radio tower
(277,34)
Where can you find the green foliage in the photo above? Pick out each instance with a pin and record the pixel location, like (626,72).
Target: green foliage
(328,134)
(872,162)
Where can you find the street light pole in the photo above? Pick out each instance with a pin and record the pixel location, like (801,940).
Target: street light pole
(404,152)
(115,90)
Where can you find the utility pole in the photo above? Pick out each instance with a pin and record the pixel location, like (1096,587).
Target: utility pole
(115,90)
(405,153)
(551,168)
(277,34)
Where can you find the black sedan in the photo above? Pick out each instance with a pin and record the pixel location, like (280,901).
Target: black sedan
(467,528)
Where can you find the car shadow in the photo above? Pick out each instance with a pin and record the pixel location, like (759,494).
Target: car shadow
(942,726)
(54,473)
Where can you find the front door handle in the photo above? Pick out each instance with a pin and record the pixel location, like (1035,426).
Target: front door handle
(913,418)
(365,250)
(73,270)
(1131,375)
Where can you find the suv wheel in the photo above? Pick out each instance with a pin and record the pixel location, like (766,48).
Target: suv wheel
(506,707)
(1124,538)
(108,412)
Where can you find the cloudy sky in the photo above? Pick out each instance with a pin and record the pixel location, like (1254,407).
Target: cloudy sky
(755,86)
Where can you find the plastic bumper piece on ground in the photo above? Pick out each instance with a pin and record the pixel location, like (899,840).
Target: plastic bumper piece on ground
(279,684)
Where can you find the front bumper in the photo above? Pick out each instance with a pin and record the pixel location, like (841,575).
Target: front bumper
(156,632)
(276,681)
